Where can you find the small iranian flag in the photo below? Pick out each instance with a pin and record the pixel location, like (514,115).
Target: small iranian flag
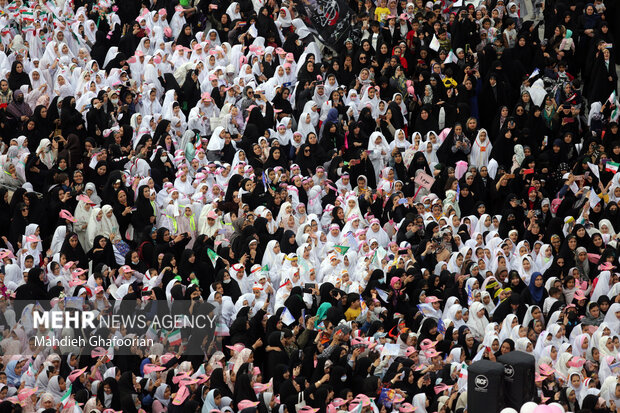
(341,249)
(27,15)
(612,166)
(612,97)
(463,372)
(221,329)
(151,333)
(614,114)
(451,58)
(174,337)
(212,256)
(374,257)
(67,397)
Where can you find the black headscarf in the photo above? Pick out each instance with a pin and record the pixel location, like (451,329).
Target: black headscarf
(285,244)
(243,389)
(16,80)
(76,253)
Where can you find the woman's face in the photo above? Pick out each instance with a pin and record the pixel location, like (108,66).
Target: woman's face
(572,243)
(610,344)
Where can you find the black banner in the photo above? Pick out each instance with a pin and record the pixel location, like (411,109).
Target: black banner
(330,20)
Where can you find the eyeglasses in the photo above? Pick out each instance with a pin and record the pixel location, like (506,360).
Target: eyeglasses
(362,57)
(307,150)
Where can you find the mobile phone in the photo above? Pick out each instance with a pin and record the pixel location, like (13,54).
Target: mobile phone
(308,287)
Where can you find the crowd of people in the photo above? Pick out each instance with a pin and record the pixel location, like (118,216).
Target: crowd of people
(365,219)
